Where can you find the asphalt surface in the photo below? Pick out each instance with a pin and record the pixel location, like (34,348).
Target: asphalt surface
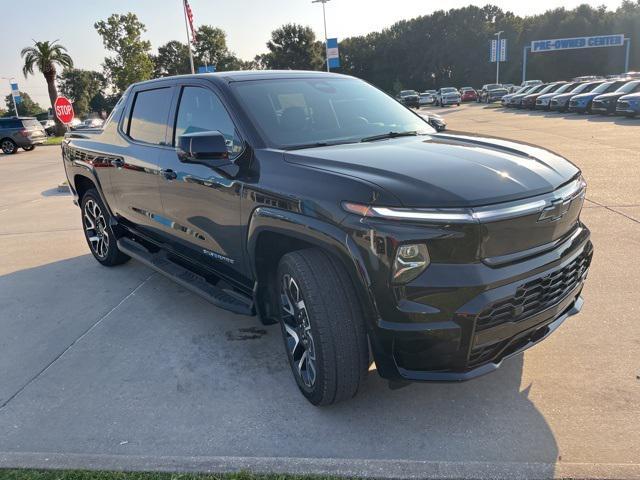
(120,368)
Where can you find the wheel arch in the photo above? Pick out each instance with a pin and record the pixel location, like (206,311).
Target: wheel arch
(273,233)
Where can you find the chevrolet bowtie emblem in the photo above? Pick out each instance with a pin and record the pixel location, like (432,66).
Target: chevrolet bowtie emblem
(555,211)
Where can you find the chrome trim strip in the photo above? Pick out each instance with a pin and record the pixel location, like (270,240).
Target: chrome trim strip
(491,213)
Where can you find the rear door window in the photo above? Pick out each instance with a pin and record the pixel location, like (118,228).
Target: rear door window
(149,115)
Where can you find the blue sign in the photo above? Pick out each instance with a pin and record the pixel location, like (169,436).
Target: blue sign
(577,42)
(333,54)
(496,52)
(207,69)
(15,92)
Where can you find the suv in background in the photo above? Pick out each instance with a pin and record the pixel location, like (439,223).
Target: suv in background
(447,96)
(492,92)
(316,201)
(409,98)
(20,132)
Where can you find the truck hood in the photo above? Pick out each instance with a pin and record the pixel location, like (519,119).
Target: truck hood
(609,96)
(444,170)
(630,96)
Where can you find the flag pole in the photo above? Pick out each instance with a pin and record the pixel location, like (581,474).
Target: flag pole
(186,26)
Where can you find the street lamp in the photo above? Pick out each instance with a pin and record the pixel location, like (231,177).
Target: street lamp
(324,16)
(498,56)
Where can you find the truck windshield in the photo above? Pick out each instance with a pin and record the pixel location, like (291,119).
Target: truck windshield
(298,113)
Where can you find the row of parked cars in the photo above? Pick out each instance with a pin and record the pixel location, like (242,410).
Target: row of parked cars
(605,96)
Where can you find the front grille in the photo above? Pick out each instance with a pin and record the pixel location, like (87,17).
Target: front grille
(623,105)
(535,296)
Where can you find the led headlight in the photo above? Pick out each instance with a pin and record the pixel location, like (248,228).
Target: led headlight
(411,260)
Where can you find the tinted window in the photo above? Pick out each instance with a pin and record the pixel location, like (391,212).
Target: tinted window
(200,110)
(327,110)
(10,124)
(630,87)
(149,116)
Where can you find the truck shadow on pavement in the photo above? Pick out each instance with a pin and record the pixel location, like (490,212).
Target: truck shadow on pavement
(120,360)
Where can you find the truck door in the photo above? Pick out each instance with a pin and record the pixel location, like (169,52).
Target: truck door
(200,203)
(136,178)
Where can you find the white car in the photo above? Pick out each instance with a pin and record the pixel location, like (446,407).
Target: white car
(428,97)
(447,96)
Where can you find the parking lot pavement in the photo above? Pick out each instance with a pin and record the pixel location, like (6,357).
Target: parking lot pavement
(121,368)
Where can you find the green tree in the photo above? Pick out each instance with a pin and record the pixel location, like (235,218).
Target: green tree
(81,86)
(46,57)
(172,59)
(293,47)
(26,108)
(122,34)
(210,48)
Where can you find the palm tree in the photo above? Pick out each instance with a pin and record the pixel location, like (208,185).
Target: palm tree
(45,56)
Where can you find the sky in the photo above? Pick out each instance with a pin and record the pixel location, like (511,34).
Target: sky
(248,24)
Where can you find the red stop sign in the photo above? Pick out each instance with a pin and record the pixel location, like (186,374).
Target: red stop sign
(63,109)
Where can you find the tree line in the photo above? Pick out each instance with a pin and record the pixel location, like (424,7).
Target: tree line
(445,48)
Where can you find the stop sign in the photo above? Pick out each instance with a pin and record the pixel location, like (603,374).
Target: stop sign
(63,109)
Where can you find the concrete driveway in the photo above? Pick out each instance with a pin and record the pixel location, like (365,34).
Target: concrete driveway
(120,368)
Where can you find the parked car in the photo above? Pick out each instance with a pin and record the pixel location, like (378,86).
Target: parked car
(529,83)
(628,105)
(543,102)
(560,103)
(529,101)
(607,102)
(49,127)
(436,121)
(427,97)
(468,94)
(273,194)
(89,123)
(516,100)
(582,103)
(409,98)
(447,96)
(492,92)
(20,132)
(522,90)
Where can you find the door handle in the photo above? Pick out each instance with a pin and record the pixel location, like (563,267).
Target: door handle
(168,174)
(117,162)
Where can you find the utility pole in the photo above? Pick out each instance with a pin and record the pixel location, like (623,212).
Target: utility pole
(498,56)
(324,16)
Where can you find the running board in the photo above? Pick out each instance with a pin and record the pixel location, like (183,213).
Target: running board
(186,278)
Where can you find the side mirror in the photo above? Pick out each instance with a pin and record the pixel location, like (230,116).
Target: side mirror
(206,148)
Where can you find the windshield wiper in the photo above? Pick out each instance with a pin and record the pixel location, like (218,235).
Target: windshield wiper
(314,145)
(382,136)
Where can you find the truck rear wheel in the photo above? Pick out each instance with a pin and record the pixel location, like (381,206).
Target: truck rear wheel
(322,325)
(8,146)
(98,232)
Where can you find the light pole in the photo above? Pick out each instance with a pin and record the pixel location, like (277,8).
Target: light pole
(15,107)
(324,16)
(498,56)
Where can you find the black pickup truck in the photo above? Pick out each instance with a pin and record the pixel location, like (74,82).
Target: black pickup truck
(317,201)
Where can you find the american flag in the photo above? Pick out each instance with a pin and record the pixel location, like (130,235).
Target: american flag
(187,8)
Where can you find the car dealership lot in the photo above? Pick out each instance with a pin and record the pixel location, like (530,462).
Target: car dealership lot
(121,368)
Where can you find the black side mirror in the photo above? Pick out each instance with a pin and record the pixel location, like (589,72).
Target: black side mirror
(207,148)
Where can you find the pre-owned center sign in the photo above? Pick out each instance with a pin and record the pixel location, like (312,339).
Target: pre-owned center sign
(538,46)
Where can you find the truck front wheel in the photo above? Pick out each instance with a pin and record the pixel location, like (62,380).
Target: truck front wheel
(322,325)
(98,232)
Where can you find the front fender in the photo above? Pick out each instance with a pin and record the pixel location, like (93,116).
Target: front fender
(316,232)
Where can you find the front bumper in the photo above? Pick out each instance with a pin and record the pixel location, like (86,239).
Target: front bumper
(557,106)
(493,314)
(450,100)
(603,108)
(626,108)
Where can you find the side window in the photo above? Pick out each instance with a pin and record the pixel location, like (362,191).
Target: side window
(200,110)
(149,115)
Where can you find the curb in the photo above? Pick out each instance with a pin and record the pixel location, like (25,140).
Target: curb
(392,469)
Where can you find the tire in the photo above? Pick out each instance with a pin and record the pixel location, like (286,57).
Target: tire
(29,148)
(98,232)
(321,316)
(8,146)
